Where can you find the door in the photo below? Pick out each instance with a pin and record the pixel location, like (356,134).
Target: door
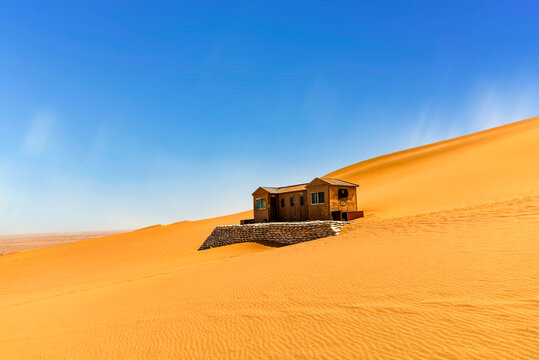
(274,209)
(302,207)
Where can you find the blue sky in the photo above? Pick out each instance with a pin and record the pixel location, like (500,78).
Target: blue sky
(117,115)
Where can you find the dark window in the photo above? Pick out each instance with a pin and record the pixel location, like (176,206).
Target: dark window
(343,193)
(317,198)
(292,201)
(282,202)
(301,201)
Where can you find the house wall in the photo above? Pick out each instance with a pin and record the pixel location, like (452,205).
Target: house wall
(261,215)
(318,211)
(292,213)
(350,204)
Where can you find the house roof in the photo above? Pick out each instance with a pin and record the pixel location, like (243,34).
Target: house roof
(338,182)
(272,190)
(291,188)
(301,187)
(282,189)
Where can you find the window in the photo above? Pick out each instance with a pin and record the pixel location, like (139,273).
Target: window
(317,198)
(291,201)
(301,201)
(260,204)
(343,193)
(282,202)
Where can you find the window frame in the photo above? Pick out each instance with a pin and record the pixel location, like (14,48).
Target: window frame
(262,201)
(292,201)
(317,195)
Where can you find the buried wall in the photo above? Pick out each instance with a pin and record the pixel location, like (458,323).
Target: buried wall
(279,233)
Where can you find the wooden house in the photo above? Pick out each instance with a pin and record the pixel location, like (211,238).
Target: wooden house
(321,199)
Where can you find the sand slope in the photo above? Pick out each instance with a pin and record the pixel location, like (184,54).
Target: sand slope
(482,167)
(446,265)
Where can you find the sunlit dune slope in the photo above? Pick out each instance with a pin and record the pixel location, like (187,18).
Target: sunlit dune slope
(122,255)
(445,265)
(481,167)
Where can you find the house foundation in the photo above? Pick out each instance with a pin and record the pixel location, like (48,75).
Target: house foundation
(285,233)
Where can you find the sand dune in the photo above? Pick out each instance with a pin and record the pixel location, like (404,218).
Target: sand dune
(482,167)
(445,265)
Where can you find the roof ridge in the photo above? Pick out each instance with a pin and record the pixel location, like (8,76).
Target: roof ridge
(282,187)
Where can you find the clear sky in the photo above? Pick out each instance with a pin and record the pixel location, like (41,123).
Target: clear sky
(118,115)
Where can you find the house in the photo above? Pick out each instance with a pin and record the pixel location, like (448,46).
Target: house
(321,199)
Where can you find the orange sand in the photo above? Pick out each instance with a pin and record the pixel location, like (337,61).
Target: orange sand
(445,265)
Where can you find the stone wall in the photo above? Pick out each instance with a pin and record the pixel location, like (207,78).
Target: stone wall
(286,233)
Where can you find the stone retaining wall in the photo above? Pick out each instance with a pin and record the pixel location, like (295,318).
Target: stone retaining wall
(280,233)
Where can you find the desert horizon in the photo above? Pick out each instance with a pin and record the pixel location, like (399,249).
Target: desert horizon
(16,242)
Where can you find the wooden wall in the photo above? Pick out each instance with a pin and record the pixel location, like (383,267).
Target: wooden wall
(292,213)
(350,204)
(318,211)
(261,215)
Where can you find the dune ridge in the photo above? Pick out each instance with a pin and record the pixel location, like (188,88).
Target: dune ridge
(443,266)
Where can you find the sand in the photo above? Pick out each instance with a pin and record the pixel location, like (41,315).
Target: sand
(445,265)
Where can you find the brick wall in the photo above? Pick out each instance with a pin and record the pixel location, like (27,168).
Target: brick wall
(281,233)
